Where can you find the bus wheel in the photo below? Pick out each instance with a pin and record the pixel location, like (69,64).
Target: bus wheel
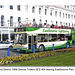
(41,48)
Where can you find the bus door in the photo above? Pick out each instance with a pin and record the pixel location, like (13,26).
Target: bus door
(29,42)
(32,41)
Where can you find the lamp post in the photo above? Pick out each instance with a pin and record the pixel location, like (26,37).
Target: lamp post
(8,32)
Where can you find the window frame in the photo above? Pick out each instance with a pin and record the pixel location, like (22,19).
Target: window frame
(18,7)
(11,7)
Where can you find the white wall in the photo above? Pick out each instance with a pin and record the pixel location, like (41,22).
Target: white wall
(24,14)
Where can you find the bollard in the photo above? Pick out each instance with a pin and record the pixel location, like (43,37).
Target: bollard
(9,42)
(18,52)
(53,47)
(26,51)
(67,45)
(8,51)
(33,48)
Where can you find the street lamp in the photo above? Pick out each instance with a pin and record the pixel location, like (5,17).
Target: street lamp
(8,31)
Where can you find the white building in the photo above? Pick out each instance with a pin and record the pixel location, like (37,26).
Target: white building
(12,15)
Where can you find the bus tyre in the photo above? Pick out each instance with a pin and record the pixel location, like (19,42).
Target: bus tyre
(41,48)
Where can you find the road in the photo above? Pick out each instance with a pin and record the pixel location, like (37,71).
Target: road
(4,53)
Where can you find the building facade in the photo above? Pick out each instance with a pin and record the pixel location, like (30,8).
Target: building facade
(13,15)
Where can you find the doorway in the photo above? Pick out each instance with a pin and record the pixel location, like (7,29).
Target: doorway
(32,41)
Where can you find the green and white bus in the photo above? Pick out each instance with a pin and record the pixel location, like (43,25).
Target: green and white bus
(42,38)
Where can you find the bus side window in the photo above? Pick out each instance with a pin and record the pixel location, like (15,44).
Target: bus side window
(61,37)
(52,37)
(42,38)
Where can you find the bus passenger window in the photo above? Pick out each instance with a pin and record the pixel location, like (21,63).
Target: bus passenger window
(61,37)
(68,36)
(42,38)
(52,37)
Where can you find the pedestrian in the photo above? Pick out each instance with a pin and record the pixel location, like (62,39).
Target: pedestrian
(64,27)
(40,25)
(30,25)
(56,26)
(48,26)
(35,25)
(52,26)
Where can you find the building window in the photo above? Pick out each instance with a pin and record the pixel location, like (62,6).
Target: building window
(26,8)
(71,16)
(55,13)
(59,14)
(68,16)
(69,24)
(11,7)
(45,11)
(46,21)
(65,6)
(1,6)
(11,20)
(40,21)
(2,20)
(50,12)
(18,7)
(33,9)
(39,10)
(63,15)
(68,7)
(19,19)
(60,23)
(66,24)
(56,23)
(33,21)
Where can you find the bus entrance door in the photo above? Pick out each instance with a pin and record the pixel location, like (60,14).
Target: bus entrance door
(29,42)
(32,41)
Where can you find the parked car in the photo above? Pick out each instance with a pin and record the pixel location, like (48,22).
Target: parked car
(5,45)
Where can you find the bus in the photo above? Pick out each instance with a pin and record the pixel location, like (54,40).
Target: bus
(42,38)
